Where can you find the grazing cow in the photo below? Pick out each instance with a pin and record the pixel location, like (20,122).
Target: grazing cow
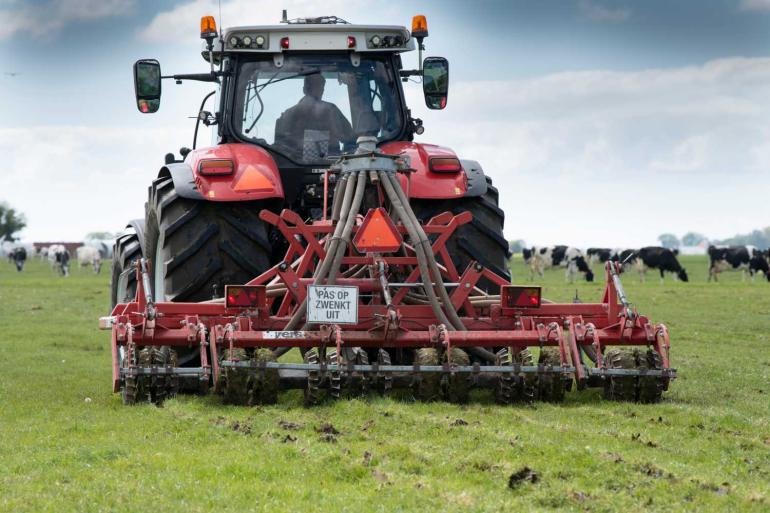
(59,258)
(542,258)
(734,258)
(19,256)
(43,253)
(600,255)
(89,255)
(655,257)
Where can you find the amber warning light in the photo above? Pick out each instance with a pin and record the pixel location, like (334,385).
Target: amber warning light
(419,26)
(513,296)
(208,27)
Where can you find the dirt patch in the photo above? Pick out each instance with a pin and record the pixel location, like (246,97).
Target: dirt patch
(367,458)
(289,439)
(327,429)
(522,475)
(329,438)
(459,422)
(366,425)
(241,427)
(651,470)
(382,477)
(613,456)
(289,426)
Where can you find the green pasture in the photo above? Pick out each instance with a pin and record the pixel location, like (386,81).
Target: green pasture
(68,444)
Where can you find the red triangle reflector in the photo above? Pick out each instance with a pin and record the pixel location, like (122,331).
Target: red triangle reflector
(252,180)
(377,234)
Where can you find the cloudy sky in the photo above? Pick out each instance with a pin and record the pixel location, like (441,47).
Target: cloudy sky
(603,122)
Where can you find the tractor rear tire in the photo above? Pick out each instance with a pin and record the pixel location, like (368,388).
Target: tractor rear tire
(125,252)
(199,246)
(481,239)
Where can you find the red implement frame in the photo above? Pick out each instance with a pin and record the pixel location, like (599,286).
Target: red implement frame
(395,325)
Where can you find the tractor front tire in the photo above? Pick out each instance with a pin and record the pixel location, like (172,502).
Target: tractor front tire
(125,252)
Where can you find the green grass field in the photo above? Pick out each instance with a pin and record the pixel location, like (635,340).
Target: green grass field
(68,444)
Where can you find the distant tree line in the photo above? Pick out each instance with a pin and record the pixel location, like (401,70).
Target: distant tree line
(758,238)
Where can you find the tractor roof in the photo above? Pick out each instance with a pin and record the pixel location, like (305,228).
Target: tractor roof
(315,37)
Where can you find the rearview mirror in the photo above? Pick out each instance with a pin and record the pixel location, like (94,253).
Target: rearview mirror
(147,85)
(435,82)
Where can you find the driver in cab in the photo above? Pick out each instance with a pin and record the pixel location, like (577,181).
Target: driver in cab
(313,128)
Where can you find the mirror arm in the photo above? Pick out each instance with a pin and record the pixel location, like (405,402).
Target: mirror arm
(409,73)
(200,77)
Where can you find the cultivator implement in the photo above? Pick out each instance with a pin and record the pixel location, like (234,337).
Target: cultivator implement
(373,301)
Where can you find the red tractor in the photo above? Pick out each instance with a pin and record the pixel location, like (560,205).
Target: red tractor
(316,222)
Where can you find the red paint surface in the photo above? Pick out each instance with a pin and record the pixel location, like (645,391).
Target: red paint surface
(426,183)
(244,156)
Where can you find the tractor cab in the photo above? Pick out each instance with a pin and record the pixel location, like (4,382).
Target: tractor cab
(307,89)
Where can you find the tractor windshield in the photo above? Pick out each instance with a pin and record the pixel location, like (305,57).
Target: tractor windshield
(313,107)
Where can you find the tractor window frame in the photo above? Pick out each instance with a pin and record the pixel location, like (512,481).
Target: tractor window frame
(230,90)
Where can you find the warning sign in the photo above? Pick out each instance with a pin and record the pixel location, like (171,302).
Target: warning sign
(332,304)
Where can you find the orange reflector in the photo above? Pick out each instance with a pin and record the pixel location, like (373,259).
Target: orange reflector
(514,296)
(377,234)
(445,165)
(253,180)
(208,27)
(215,167)
(419,26)
(245,296)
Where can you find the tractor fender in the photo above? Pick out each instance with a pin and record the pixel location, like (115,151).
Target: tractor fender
(137,225)
(477,182)
(255,175)
(424,183)
(184,180)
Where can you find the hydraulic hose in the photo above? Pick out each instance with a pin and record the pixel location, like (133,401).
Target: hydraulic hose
(426,245)
(422,263)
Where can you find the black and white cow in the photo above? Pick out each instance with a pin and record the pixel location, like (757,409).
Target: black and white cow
(542,258)
(60,259)
(656,257)
(19,256)
(600,255)
(738,258)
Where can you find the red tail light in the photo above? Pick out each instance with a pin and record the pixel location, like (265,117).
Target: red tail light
(285,43)
(351,42)
(215,167)
(445,165)
(513,296)
(245,296)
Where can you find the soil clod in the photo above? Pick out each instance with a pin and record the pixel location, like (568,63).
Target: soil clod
(523,475)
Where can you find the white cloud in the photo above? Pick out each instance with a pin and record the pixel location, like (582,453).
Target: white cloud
(582,158)
(44,20)
(615,158)
(71,180)
(755,5)
(597,12)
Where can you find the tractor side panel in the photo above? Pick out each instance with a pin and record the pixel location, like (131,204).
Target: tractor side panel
(255,175)
(425,183)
